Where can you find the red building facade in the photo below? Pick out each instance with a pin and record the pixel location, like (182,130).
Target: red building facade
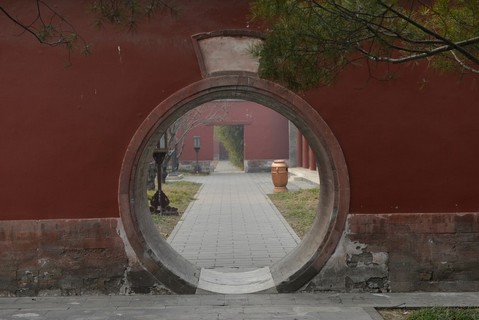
(265,136)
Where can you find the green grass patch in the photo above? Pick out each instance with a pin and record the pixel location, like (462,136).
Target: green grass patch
(432,313)
(298,208)
(444,313)
(180,193)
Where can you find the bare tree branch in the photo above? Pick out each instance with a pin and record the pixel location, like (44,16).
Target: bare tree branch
(54,32)
(21,25)
(203,115)
(449,44)
(463,64)
(418,56)
(50,27)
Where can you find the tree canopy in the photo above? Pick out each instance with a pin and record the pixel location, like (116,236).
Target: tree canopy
(309,42)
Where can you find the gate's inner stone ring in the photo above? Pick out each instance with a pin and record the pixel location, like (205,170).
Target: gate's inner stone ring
(288,274)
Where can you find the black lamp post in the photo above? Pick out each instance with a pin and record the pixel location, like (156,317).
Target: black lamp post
(160,202)
(162,151)
(197,146)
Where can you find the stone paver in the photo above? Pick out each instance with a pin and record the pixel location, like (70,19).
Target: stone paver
(300,306)
(233,224)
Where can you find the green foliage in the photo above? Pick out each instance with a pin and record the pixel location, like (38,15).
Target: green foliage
(456,20)
(292,53)
(232,138)
(309,42)
(127,12)
(444,313)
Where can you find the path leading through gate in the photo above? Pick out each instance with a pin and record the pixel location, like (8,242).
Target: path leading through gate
(232,223)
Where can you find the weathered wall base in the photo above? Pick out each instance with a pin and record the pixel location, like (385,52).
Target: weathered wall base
(377,253)
(206,166)
(354,267)
(404,252)
(68,257)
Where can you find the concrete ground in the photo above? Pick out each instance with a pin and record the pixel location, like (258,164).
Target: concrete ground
(322,306)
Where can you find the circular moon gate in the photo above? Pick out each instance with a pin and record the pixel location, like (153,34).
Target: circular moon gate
(295,269)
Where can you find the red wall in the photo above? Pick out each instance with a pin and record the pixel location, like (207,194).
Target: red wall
(65,130)
(265,132)
(411,144)
(267,137)
(206,134)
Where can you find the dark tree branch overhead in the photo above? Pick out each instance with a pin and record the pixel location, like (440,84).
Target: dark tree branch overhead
(18,23)
(57,31)
(445,32)
(50,27)
(309,41)
(449,43)
(128,12)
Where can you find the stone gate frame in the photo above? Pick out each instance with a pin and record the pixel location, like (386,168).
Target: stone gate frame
(294,270)
(230,72)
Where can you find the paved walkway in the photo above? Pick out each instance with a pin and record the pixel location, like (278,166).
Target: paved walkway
(233,224)
(322,306)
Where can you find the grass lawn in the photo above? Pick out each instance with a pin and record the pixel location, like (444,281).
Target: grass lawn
(180,193)
(298,208)
(432,313)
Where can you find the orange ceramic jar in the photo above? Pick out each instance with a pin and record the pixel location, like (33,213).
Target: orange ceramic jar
(279,174)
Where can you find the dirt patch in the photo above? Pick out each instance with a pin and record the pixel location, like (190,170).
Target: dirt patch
(394,314)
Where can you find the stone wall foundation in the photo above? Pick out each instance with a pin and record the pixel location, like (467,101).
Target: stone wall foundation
(404,252)
(376,253)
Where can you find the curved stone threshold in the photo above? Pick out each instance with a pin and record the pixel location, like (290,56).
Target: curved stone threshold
(236,282)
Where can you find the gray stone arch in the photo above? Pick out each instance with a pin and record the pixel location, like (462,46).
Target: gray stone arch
(288,274)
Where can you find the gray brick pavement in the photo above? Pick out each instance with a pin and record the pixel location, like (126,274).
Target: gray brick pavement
(233,224)
(299,306)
